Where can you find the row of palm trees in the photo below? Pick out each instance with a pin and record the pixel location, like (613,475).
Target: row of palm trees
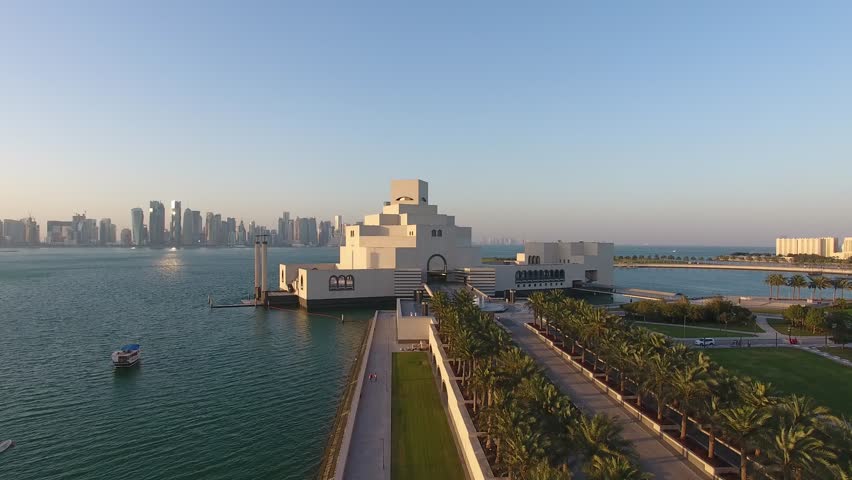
(531,430)
(813,282)
(777,437)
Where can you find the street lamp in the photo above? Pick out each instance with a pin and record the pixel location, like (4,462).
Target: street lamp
(789,333)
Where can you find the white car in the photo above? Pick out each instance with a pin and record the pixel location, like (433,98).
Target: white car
(704,342)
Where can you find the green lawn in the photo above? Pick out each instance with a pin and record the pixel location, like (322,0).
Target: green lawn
(422,443)
(780,325)
(715,326)
(839,352)
(691,332)
(791,370)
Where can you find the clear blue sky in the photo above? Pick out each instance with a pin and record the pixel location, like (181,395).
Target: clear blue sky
(637,122)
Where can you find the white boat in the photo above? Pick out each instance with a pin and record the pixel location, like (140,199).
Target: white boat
(127,356)
(6,445)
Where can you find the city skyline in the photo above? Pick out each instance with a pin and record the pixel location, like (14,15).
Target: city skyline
(652,123)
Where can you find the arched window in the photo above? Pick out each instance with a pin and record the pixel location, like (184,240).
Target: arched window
(440,233)
(562,274)
(332,283)
(350,282)
(434,233)
(517,276)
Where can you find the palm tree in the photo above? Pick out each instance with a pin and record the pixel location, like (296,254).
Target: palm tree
(775,280)
(536,304)
(657,382)
(601,436)
(817,282)
(796,282)
(796,451)
(543,471)
(614,468)
(838,283)
(689,385)
(743,424)
(799,410)
(523,446)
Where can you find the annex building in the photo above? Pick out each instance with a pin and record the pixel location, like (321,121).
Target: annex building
(393,253)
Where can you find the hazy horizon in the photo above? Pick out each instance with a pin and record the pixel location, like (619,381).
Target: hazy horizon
(722,124)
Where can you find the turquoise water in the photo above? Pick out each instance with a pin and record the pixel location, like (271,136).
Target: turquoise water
(222,394)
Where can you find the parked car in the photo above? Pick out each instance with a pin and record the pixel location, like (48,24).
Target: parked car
(705,342)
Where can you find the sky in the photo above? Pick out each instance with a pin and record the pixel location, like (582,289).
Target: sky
(661,122)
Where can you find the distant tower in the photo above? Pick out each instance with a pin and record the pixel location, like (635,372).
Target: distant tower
(187,233)
(156,224)
(176,226)
(137,219)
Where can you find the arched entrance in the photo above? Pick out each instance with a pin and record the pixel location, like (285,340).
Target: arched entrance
(436,268)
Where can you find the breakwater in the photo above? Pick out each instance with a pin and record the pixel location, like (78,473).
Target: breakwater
(752,267)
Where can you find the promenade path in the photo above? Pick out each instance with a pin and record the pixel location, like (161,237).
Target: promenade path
(654,456)
(370,449)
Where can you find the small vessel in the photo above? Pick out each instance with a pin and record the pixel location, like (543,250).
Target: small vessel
(127,356)
(6,445)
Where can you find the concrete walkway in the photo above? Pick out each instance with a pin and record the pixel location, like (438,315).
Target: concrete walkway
(370,449)
(654,456)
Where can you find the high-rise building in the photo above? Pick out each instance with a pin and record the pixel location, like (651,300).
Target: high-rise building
(126,237)
(197,227)
(31,231)
(338,225)
(242,234)
(285,236)
(301,231)
(156,224)
(823,246)
(14,231)
(188,231)
(209,231)
(312,232)
(137,220)
(175,230)
(112,231)
(58,232)
(325,228)
(104,231)
(231,231)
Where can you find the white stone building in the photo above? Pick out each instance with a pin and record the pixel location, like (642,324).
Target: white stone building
(393,253)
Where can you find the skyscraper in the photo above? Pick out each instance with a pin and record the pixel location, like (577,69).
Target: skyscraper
(338,225)
(104,231)
(14,231)
(209,230)
(324,233)
(196,227)
(175,230)
(285,236)
(31,231)
(156,224)
(126,237)
(137,220)
(187,233)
